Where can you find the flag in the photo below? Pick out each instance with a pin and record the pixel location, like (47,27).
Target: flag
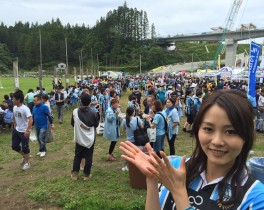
(262,58)
(252,67)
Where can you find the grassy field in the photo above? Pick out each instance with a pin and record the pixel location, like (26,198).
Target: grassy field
(47,185)
(25,84)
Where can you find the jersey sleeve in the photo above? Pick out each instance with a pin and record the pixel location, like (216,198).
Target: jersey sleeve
(254,197)
(156,119)
(175,117)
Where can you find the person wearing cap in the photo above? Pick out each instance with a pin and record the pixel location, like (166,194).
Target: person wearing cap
(168,92)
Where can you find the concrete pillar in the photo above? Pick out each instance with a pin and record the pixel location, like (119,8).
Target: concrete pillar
(231,50)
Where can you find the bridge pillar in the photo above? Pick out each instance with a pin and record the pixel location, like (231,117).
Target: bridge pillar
(231,50)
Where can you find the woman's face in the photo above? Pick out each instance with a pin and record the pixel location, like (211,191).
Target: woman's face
(115,105)
(218,139)
(169,104)
(153,107)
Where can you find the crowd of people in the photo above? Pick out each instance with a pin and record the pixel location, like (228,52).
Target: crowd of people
(218,115)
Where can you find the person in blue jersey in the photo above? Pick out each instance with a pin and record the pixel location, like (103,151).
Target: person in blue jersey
(188,111)
(173,121)
(41,116)
(103,103)
(216,176)
(158,122)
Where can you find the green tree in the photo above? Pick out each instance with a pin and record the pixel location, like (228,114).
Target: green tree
(5,58)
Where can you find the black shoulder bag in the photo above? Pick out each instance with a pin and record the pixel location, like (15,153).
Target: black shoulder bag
(140,136)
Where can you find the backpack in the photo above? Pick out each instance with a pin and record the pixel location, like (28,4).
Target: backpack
(192,107)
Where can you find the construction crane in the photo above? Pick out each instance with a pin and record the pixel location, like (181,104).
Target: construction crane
(232,14)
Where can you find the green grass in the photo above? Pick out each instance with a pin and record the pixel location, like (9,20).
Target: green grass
(48,181)
(25,84)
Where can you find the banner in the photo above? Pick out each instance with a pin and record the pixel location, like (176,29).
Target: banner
(252,68)
(240,59)
(262,59)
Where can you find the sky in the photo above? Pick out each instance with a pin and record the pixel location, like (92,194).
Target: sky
(170,17)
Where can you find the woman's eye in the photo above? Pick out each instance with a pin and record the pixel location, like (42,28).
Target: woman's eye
(207,129)
(230,132)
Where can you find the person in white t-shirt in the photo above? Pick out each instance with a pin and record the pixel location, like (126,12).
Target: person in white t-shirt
(261,109)
(22,127)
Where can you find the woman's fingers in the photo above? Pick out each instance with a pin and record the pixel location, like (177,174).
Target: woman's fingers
(127,152)
(157,158)
(152,173)
(165,159)
(128,158)
(128,147)
(183,165)
(133,146)
(154,163)
(149,148)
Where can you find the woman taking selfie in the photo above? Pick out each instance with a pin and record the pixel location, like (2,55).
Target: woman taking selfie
(216,175)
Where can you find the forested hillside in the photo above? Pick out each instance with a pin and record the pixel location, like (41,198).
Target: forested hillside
(117,40)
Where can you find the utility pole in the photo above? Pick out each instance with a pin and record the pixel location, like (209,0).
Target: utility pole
(106,63)
(40,66)
(15,70)
(140,63)
(82,63)
(75,78)
(55,76)
(97,65)
(192,63)
(81,72)
(92,60)
(67,65)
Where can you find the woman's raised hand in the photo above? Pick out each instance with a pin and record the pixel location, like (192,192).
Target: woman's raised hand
(140,159)
(173,179)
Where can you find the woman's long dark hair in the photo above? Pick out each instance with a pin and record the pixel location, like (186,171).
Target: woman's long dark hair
(240,113)
(129,112)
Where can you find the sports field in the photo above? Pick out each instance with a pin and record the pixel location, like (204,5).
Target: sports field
(47,185)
